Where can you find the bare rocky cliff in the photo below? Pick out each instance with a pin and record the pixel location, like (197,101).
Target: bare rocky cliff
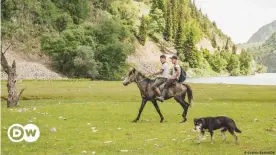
(30,66)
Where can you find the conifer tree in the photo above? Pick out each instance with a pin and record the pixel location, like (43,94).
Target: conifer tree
(160,4)
(227,44)
(157,4)
(168,27)
(188,49)
(179,37)
(154,5)
(234,49)
(174,17)
(143,31)
(213,41)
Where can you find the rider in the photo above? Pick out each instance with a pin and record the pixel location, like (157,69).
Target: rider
(163,74)
(173,79)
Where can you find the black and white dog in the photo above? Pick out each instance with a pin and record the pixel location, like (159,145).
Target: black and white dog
(213,123)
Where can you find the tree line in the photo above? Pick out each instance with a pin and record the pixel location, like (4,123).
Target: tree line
(93,38)
(181,22)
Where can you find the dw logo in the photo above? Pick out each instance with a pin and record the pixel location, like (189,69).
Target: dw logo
(18,133)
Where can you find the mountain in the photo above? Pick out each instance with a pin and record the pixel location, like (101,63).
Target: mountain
(263,33)
(266,54)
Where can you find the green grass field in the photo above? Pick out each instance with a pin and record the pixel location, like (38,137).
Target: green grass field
(110,107)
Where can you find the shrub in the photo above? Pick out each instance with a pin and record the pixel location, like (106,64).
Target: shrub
(73,46)
(245,62)
(125,10)
(185,65)
(100,50)
(156,24)
(233,63)
(261,68)
(225,54)
(78,9)
(217,63)
(62,22)
(235,72)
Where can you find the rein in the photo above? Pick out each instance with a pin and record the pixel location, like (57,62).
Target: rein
(138,84)
(140,80)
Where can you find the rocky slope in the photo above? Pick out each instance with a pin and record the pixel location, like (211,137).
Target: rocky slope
(260,37)
(263,33)
(30,67)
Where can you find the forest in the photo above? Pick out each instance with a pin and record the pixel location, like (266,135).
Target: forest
(94,38)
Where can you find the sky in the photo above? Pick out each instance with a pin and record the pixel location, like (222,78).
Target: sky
(239,19)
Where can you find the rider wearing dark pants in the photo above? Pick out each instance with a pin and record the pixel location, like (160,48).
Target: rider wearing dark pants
(172,80)
(163,74)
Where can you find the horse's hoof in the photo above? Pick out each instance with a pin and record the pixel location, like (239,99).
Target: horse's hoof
(162,119)
(134,121)
(184,120)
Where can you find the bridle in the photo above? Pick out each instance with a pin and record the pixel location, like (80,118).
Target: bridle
(138,84)
(136,80)
(140,80)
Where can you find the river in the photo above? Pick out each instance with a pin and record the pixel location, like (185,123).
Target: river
(258,79)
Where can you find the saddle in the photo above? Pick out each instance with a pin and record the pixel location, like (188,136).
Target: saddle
(161,87)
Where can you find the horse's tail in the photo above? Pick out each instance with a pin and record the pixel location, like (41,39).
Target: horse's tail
(190,94)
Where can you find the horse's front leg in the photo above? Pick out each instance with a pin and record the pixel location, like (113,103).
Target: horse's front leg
(184,104)
(144,101)
(158,110)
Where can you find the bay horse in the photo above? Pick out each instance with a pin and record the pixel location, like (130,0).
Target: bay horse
(178,91)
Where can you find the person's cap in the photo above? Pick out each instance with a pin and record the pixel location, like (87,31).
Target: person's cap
(173,57)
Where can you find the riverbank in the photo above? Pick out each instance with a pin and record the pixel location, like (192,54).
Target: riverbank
(258,79)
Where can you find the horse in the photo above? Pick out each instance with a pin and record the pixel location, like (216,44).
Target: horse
(178,91)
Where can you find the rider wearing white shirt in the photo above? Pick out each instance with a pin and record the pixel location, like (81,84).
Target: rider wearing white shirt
(163,74)
(174,78)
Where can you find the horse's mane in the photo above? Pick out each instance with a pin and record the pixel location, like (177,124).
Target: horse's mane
(142,73)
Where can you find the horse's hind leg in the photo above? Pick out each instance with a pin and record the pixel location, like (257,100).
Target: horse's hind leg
(144,101)
(185,106)
(158,110)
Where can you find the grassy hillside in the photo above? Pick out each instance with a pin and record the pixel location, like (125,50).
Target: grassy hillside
(95,38)
(96,117)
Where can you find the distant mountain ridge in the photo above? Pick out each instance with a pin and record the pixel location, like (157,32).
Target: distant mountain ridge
(266,54)
(264,33)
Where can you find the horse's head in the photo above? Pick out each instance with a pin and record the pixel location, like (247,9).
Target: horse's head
(131,77)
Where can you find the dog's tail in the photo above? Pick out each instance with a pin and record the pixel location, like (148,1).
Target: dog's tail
(234,126)
(190,94)
(238,130)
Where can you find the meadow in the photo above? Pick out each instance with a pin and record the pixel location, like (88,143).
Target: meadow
(95,117)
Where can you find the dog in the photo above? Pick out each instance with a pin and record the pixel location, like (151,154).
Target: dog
(213,123)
